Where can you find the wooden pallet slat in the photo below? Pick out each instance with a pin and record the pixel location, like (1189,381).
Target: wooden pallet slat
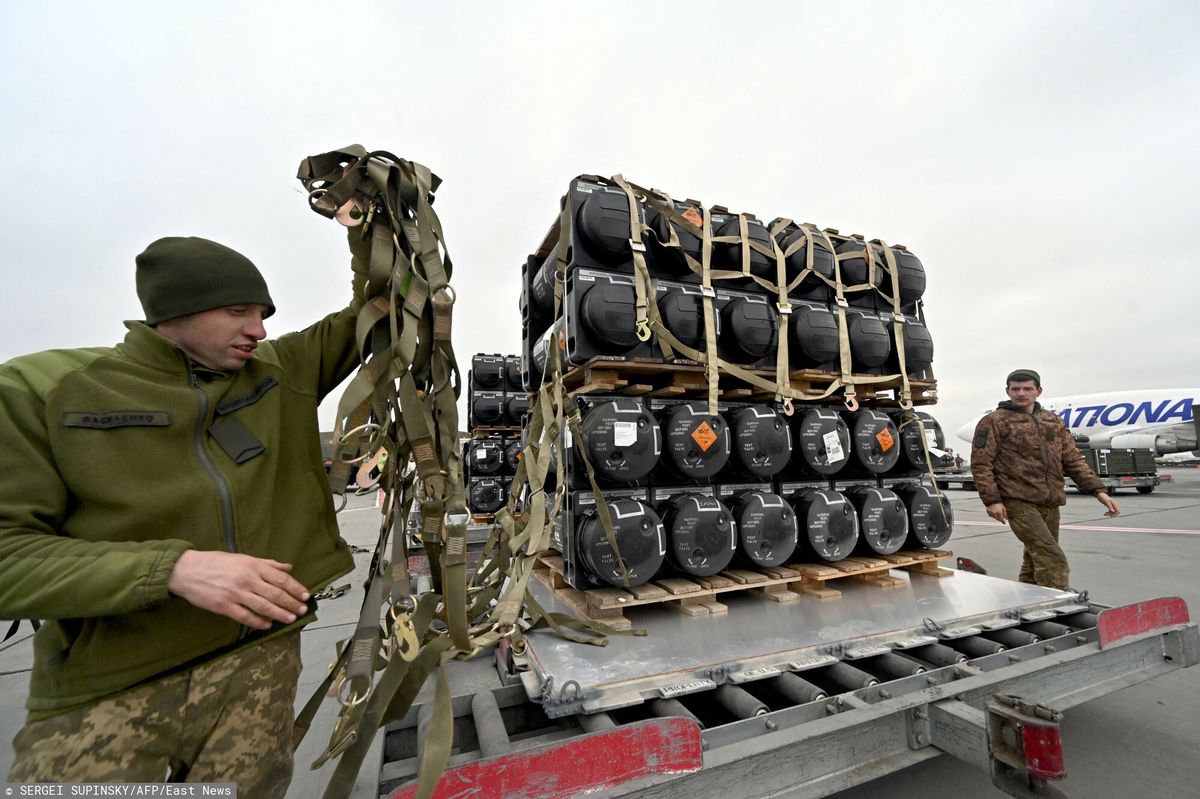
(697,596)
(655,377)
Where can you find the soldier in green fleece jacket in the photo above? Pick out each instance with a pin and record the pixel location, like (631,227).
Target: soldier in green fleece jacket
(164,509)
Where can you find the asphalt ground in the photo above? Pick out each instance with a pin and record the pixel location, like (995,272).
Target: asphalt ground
(1140,741)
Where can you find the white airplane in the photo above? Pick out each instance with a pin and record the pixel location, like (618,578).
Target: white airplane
(1164,420)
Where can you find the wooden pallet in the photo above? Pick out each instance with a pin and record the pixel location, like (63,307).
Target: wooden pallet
(697,596)
(653,377)
(504,430)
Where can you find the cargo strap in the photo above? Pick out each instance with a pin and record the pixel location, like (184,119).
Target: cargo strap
(398,413)
(649,317)
(649,320)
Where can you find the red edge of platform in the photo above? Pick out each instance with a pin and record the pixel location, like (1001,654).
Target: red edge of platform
(1117,624)
(582,764)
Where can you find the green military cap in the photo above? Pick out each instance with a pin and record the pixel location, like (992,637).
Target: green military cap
(1021,375)
(178,276)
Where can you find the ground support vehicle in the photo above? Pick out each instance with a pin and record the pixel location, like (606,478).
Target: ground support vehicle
(960,478)
(800,698)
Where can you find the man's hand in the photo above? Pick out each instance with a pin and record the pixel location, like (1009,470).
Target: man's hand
(1110,503)
(998,512)
(251,591)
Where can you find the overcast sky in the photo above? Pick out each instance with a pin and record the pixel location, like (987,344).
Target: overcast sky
(1041,158)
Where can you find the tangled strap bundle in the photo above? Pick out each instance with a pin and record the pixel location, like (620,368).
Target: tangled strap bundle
(398,419)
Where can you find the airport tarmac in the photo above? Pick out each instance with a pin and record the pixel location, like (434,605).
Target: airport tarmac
(1140,741)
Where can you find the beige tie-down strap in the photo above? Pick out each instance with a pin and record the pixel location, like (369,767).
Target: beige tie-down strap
(649,320)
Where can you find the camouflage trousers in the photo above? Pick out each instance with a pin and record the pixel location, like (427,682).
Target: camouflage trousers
(225,721)
(1045,562)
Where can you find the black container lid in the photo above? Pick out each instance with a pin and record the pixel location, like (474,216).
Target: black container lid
(930,516)
(913,443)
(488,410)
(750,330)
(797,262)
(695,444)
(875,441)
(821,441)
(814,335)
(882,519)
(912,277)
(683,314)
(701,535)
(623,441)
(603,224)
(760,264)
(829,522)
(870,344)
(609,313)
(762,442)
(486,495)
(486,456)
(640,538)
(767,532)
(918,347)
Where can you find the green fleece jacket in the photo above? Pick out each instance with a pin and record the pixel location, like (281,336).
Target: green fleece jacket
(113,465)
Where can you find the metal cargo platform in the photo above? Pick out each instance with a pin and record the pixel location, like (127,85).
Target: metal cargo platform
(758,638)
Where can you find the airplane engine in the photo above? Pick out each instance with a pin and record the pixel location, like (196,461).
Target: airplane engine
(1166,443)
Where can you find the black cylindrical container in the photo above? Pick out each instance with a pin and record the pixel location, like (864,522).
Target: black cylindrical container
(541,285)
(918,344)
(516,406)
(512,454)
(487,409)
(608,314)
(812,287)
(513,374)
(930,516)
(915,439)
(856,271)
(486,494)
(882,519)
(695,444)
(828,524)
(670,260)
(701,534)
(767,532)
(874,441)
(622,440)
(640,538)
(485,457)
(814,337)
(760,264)
(912,277)
(870,343)
(820,441)
(918,347)
(683,314)
(487,373)
(602,222)
(762,442)
(749,331)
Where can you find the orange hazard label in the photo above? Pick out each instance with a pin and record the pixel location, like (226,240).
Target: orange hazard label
(693,215)
(884,437)
(704,436)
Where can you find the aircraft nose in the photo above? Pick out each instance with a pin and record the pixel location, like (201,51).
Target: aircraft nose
(967,431)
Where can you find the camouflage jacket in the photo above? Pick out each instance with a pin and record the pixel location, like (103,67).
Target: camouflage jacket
(1023,456)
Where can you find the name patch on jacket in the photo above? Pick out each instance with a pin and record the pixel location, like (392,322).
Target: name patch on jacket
(107,420)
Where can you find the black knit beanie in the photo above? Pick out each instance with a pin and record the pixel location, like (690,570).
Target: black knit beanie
(177,276)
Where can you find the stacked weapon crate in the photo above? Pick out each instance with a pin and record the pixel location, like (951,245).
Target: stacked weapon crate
(745,390)
(496,405)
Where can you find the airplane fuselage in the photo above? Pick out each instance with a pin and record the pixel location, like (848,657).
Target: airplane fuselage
(1160,419)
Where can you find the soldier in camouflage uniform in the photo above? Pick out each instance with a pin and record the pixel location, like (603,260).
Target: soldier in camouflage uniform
(1018,457)
(165,511)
